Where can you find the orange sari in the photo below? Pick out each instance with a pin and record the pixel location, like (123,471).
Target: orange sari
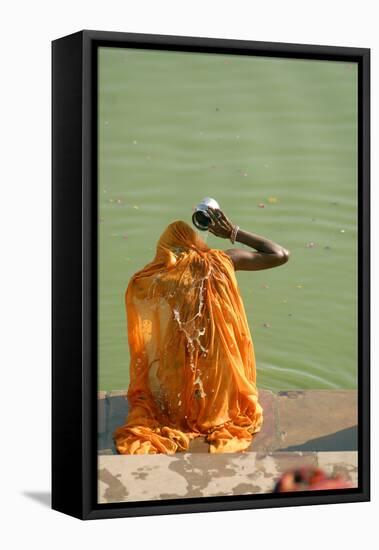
(192,364)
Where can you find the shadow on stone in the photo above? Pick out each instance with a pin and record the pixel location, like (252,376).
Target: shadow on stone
(115,410)
(42,497)
(343,440)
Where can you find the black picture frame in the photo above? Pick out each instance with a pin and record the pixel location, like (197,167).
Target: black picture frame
(74,273)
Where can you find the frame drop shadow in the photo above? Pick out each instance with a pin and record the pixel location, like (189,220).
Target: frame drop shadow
(41,497)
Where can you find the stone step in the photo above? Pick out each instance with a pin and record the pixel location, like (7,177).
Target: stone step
(131,478)
(298,420)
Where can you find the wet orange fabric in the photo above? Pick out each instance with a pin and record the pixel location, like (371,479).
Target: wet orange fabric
(192,364)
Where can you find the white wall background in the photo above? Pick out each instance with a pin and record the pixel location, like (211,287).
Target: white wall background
(27,29)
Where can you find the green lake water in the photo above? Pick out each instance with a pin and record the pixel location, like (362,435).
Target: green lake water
(175,127)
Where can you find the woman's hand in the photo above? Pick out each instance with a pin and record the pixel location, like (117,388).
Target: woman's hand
(220,225)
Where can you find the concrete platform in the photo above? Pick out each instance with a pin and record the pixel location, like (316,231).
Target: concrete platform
(310,427)
(189,475)
(307,420)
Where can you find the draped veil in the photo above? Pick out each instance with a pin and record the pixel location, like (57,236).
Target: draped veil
(192,363)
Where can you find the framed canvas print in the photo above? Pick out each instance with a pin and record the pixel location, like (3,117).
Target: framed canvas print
(210,274)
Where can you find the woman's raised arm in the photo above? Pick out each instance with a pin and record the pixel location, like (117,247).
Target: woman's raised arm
(266,253)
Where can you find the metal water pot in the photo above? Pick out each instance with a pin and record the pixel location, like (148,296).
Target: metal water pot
(201,218)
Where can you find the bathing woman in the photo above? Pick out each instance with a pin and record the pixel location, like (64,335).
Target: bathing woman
(192,362)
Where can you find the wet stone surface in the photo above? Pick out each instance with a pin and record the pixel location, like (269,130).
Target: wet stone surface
(311,427)
(308,420)
(317,420)
(190,475)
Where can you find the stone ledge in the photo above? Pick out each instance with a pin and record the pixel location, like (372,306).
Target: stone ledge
(132,478)
(298,420)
